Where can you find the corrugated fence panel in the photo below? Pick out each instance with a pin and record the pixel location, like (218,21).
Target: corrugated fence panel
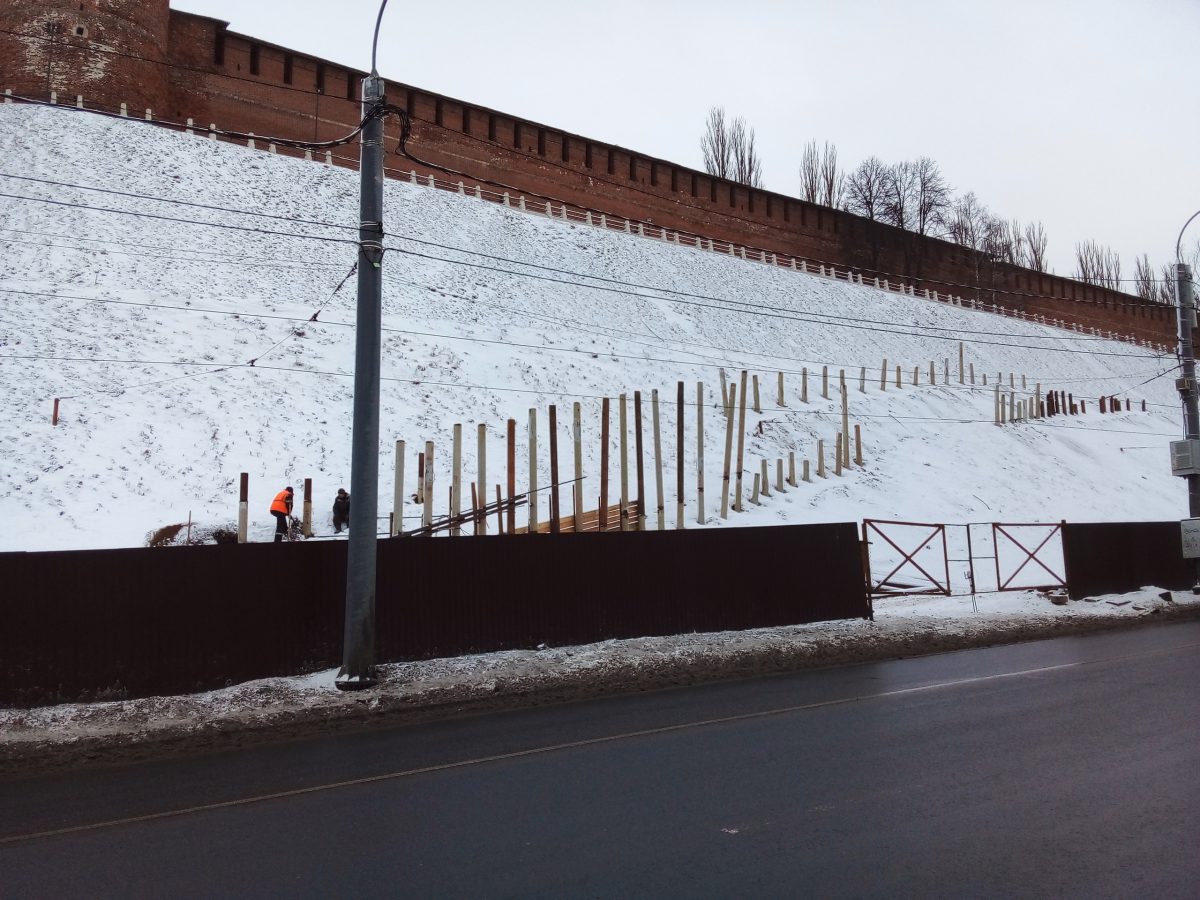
(1113,557)
(153,621)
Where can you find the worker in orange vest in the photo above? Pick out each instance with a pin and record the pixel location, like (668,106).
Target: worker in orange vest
(281,509)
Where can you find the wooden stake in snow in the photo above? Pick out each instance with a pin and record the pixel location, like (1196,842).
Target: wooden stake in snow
(898,382)
(603,521)
(555,512)
(512,477)
(724,391)
(623,420)
(916,376)
(1024,386)
(533,483)
(757,404)
(427,491)
(996,406)
(821,459)
(456,481)
(637,444)
(779,398)
(825,382)
(932,373)
(732,399)
(765,481)
(700,448)
(779,475)
(844,456)
(806,475)
(741,446)
(883,376)
(858,458)
(306,514)
(961,373)
(54,415)
(971,368)
(481,458)
(398,492)
(660,508)
(754,496)
(679,489)
(243,507)
(803,385)
(945,371)
(420,478)
(862,380)
(577,438)
(837,455)
(792,468)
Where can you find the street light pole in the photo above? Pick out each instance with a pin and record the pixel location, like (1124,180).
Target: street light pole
(358,654)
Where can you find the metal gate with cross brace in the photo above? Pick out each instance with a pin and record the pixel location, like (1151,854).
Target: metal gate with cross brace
(929,552)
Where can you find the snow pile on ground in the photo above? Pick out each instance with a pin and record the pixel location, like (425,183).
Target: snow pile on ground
(98,308)
(444,687)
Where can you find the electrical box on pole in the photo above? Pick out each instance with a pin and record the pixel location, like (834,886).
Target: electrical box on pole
(1185,457)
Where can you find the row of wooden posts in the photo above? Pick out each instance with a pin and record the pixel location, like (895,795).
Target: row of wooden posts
(631,512)
(1055,403)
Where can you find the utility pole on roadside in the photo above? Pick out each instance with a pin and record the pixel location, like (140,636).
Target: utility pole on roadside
(1187,383)
(358,654)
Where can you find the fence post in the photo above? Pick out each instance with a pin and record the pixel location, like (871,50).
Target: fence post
(961,373)
(555,512)
(481,459)
(577,437)
(737,500)
(427,510)
(883,376)
(806,476)
(862,380)
(243,507)
(844,456)
(660,509)
(792,468)
(757,404)
(306,515)
(780,400)
(512,477)
(637,449)
(898,383)
(533,492)
(679,485)
(858,459)
(623,419)
(724,390)
(602,513)
(804,385)
(421,478)
(728,450)
(779,474)
(700,448)
(398,492)
(820,459)
(754,495)
(765,481)
(456,481)
(837,452)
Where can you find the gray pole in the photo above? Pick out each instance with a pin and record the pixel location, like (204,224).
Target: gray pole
(1187,390)
(358,656)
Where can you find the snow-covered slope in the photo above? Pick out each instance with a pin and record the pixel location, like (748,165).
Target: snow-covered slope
(141,444)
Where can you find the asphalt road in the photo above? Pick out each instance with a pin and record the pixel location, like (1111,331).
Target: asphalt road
(1057,768)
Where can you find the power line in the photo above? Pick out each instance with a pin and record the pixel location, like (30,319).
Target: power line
(471,339)
(146,215)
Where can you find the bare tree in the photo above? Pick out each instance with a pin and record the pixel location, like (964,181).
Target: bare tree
(1013,243)
(820,179)
(1097,264)
(1165,287)
(810,173)
(833,181)
(932,197)
(729,150)
(901,192)
(715,144)
(865,189)
(747,167)
(1035,246)
(1143,278)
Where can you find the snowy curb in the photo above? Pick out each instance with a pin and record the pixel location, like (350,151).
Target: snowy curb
(275,709)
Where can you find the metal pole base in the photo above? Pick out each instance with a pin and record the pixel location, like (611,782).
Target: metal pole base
(346,682)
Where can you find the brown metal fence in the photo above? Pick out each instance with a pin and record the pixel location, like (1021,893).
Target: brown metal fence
(1113,557)
(152,621)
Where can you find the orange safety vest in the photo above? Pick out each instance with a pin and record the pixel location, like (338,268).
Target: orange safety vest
(282,503)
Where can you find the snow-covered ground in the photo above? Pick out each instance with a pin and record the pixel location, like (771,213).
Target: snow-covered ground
(311,704)
(143,326)
(95,304)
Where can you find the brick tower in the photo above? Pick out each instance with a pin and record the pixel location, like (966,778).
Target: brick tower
(105,50)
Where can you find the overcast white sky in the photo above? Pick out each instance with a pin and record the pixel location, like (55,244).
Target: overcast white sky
(1084,114)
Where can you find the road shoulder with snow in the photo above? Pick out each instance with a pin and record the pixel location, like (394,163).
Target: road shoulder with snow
(285,708)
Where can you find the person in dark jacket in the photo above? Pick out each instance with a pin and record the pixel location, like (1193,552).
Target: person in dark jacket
(281,508)
(341,511)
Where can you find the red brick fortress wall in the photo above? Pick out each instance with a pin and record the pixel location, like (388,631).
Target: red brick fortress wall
(213,75)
